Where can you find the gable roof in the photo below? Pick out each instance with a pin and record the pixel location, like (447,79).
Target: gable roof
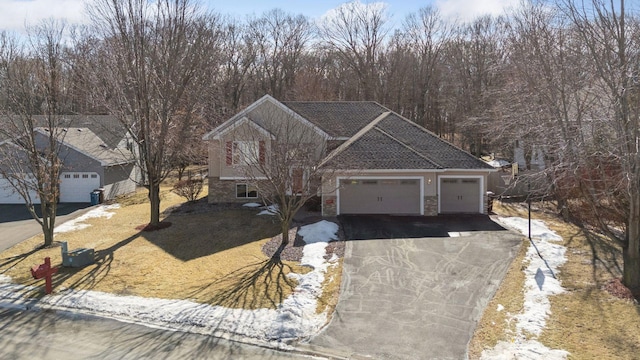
(256,113)
(394,142)
(88,143)
(340,119)
(375,137)
(108,128)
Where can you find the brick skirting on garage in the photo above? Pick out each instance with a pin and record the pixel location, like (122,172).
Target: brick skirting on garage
(430,206)
(329,205)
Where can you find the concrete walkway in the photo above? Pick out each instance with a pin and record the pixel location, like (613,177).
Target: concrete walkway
(416,298)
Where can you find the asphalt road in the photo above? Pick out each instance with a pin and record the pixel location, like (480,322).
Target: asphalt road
(35,334)
(415,297)
(17,225)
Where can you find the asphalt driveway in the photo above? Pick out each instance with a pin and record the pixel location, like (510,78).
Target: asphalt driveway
(17,225)
(415,297)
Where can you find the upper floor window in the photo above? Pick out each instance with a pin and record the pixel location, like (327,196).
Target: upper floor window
(245,152)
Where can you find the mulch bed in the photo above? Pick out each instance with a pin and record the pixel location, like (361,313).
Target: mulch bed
(617,289)
(293,250)
(149,227)
(202,206)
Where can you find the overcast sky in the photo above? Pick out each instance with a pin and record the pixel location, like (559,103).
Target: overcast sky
(14,14)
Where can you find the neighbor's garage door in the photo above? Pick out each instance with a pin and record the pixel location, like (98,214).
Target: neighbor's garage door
(380,196)
(76,187)
(8,196)
(460,195)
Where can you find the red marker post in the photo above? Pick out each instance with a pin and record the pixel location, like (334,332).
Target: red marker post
(45,271)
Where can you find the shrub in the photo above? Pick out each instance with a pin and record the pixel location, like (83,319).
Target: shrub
(189,189)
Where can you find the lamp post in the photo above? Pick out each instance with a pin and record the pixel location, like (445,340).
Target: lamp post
(529,204)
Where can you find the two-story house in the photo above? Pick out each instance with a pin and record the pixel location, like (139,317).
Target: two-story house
(375,161)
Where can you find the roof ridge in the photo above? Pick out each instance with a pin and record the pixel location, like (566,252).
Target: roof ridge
(408,147)
(330,101)
(355,137)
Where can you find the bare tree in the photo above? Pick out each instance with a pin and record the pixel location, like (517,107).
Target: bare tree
(475,60)
(33,82)
(280,155)
(238,58)
(280,40)
(357,31)
(151,75)
(427,34)
(612,40)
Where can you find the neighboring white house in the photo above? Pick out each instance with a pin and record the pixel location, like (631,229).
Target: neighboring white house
(94,156)
(536,156)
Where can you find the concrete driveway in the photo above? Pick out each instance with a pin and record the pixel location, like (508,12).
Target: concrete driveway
(415,297)
(17,225)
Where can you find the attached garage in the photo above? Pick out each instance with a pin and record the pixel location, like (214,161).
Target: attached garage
(461,194)
(9,196)
(401,196)
(76,187)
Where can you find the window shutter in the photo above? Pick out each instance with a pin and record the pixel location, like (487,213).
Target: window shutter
(261,152)
(229,153)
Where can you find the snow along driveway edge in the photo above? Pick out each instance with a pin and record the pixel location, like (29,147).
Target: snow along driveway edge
(540,283)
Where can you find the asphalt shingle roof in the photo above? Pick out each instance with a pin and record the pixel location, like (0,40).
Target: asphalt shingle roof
(396,143)
(87,142)
(340,119)
(441,152)
(106,127)
(375,137)
(375,150)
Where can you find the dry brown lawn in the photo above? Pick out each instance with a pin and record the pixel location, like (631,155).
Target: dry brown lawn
(586,320)
(211,257)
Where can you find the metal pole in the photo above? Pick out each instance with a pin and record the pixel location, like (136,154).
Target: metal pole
(529,203)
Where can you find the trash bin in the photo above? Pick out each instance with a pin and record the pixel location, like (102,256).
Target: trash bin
(95,198)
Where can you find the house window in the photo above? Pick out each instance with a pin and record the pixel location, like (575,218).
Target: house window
(67,176)
(76,176)
(246,152)
(246,191)
(85,176)
(94,176)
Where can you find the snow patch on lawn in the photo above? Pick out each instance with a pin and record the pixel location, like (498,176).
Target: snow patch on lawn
(303,302)
(319,232)
(78,223)
(252,205)
(539,285)
(295,318)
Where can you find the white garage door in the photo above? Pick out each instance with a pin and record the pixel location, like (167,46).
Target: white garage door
(8,196)
(380,196)
(460,195)
(76,187)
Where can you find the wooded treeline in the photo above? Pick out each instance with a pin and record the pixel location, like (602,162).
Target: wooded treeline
(561,76)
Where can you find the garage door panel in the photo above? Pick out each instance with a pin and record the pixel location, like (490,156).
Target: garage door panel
(76,187)
(380,196)
(9,196)
(460,195)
